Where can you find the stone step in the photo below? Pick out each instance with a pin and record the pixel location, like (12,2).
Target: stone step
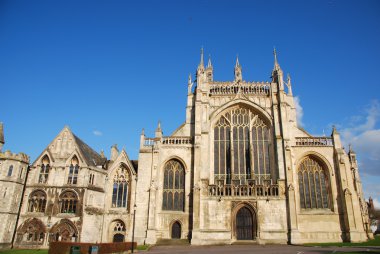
(172,242)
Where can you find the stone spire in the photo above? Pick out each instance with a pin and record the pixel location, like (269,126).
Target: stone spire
(238,72)
(159,130)
(2,142)
(201,64)
(209,70)
(276,64)
(209,64)
(277,74)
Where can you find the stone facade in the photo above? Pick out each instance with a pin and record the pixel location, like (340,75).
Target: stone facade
(238,169)
(13,172)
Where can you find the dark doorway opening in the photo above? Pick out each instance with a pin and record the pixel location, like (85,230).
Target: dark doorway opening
(118,238)
(176,230)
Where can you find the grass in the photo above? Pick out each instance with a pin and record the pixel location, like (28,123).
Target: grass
(14,251)
(142,247)
(374,242)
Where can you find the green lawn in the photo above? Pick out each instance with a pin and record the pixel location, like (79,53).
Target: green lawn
(374,242)
(24,251)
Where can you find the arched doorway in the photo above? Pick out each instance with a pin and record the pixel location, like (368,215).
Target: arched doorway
(245,225)
(176,230)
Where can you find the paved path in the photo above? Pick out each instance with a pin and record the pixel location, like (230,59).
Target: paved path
(265,249)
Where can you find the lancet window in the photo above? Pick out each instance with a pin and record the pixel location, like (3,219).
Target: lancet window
(68,202)
(242,147)
(44,171)
(120,187)
(73,171)
(313,185)
(10,170)
(174,186)
(37,201)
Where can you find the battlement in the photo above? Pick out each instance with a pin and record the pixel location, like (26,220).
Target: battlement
(8,155)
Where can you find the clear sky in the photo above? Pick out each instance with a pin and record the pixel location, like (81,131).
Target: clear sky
(108,69)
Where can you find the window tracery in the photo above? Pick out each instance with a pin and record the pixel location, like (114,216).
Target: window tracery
(44,171)
(32,231)
(313,185)
(119,231)
(37,202)
(242,147)
(73,171)
(120,188)
(68,202)
(174,186)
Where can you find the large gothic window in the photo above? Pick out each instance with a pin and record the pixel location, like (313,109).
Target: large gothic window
(313,185)
(120,188)
(44,171)
(68,202)
(241,147)
(73,171)
(174,186)
(37,202)
(32,231)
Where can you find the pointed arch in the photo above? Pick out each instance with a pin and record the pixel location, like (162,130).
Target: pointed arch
(65,231)
(174,186)
(68,201)
(242,148)
(176,229)
(37,201)
(121,182)
(45,169)
(244,221)
(73,170)
(314,182)
(118,231)
(32,231)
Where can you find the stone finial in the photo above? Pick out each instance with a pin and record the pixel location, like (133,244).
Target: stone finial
(201,64)
(143,132)
(289,84)
(159,130)
(114,152)
(102,153)
(209,64)
(237,64)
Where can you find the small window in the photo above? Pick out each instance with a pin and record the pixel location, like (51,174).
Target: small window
(10,170)
(21,171)
(92,179)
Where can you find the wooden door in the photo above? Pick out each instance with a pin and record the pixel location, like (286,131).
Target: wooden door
(244,224)
(176,230)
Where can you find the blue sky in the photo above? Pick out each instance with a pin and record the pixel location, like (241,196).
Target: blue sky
(110,68)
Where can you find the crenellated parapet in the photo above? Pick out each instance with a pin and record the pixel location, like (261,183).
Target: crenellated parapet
(21,157)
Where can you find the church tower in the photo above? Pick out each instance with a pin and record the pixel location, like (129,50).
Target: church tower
(13,172)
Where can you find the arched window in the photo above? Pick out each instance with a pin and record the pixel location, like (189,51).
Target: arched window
(68,202)
(73,171)
(241,147)
(32,232)
(118,231)
(10,170)
(174,186)
(44,171)
(37,201)
(64,231)
(313,185)
(120,187)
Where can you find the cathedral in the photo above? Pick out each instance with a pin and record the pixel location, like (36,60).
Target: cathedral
(239,169)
